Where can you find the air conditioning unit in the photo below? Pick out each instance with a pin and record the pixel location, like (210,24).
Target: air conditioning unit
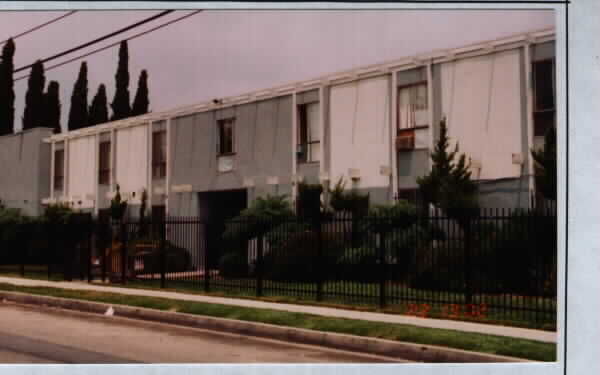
(405,142)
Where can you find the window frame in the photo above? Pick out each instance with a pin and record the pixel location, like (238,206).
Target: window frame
(304,144)
(104,149)
(399,88)
(221,133)
(534,110)
(58,180)
(159,154)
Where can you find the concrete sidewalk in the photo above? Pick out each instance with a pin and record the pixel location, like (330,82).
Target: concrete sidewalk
(523,333)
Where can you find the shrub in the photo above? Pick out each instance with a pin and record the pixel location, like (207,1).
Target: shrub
(359,264)
(308,203)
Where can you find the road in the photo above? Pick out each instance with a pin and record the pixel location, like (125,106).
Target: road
(32,334)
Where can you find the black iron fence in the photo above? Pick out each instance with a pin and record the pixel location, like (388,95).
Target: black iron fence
(499,265)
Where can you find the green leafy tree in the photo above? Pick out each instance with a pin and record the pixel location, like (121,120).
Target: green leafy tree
(52,107)
(78,112)
(141,102)
(449,186)
(7,92)
(120,105)
(545,166)
(34,98)
(143,225)
(98,113)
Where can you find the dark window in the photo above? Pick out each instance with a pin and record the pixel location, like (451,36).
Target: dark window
(226,140)
(544,99)
(59,171)
(309,145)
(104,167)
(412,106)
(159,154)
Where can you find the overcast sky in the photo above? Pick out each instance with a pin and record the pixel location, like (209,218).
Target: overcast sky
(224,53)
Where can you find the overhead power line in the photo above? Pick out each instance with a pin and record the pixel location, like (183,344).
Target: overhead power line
(97,40)
(114,44)
(40,26)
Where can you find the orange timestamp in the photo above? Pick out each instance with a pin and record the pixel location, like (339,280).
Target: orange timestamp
(450,311)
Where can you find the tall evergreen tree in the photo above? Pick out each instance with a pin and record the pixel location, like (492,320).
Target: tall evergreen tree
(7,93)
(52,107)
(78,112)
(99,110)
(33,115)
(449,186)
(141,102)
(545,166)
(120,105)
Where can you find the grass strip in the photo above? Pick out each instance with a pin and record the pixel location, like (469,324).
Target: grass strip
(507,346)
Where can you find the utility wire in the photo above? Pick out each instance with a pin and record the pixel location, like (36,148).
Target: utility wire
(120,31)
(113,44)
(42,25)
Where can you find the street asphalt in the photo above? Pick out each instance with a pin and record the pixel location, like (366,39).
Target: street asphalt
(35,334)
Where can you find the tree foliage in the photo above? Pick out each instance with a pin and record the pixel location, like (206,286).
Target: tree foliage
(52,107)
(98,113)
(78,112)
(120,105)
(545,166)
(449,186)
(7,92)
(34,98)
(141,102)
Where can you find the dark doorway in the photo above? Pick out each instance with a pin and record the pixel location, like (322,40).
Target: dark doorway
(216,208)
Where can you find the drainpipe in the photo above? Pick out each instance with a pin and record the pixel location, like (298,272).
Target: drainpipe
(529,118)
(393,125)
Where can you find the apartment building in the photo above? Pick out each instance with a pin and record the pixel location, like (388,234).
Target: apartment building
(374,126)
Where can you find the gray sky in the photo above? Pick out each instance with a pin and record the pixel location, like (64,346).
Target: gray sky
(224,53)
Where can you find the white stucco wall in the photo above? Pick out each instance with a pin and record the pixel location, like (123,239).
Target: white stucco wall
(81,170)
(481,99)
(359,121)
(132,160)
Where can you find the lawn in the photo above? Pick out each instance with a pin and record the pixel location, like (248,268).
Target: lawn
(491,344)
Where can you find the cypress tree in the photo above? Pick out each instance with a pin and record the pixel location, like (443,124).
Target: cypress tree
(449,186)
(140,103)
(78,113)
(545,166)
(33,115)
(52,107)
(99,110)
(7,93)
(120,105)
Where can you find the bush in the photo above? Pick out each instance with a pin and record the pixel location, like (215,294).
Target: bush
(359,264)
(294,255)
(233,265)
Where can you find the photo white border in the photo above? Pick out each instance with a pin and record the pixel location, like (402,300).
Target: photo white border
(583,350)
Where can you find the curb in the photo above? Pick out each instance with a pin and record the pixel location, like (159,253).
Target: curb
(381,347)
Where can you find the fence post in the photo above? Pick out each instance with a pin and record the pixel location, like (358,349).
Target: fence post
(89,251)
(383,271)
(21,235)
(123,253)
(49,234)
(163,253)
(468,290)
(206,257)
(259,265)
(319,264)
(105,239)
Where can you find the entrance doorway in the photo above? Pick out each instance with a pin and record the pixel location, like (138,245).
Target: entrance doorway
(216,207)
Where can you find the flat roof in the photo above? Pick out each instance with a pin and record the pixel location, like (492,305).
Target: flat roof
(405,63)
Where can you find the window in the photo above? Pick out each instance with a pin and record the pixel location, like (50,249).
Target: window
(159,154)
(544,105)
(309,145)
(226,140)
(412,106)
(59,169)
(104,167)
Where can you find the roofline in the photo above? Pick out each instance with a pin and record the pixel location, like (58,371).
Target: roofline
(368,71)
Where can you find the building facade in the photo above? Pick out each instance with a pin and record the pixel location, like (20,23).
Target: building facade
(374,126)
